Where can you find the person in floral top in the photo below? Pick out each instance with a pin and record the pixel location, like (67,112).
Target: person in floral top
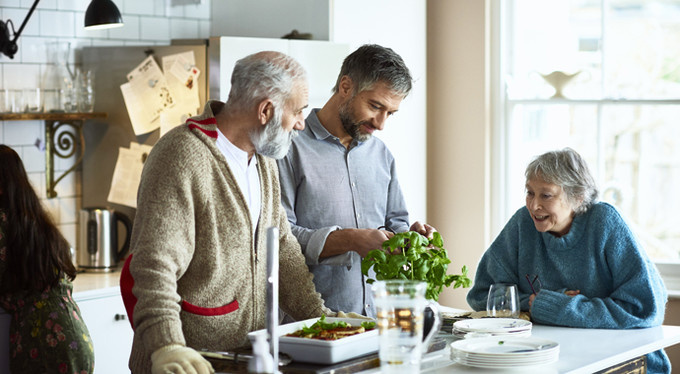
(47,332)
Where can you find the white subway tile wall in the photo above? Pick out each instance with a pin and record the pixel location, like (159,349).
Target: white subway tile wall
(147,22)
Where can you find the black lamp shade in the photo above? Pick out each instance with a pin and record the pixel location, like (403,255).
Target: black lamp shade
(102,14)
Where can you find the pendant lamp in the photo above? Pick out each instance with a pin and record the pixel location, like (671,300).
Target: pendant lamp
(102,14)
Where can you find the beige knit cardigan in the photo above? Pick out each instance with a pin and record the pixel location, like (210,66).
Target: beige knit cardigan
(199,277)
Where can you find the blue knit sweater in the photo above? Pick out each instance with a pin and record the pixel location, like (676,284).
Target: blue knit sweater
(620,287)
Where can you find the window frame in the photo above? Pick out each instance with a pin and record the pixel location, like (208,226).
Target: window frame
(502,110)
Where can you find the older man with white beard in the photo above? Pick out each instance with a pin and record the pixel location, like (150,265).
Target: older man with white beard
(196,275)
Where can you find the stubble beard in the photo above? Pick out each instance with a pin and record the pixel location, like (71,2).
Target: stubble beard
(350,124)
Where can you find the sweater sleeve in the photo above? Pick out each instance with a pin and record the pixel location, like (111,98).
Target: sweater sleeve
(162,244)
(635,299)
(298,294)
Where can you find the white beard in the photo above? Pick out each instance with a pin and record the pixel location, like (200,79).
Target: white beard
(272,141)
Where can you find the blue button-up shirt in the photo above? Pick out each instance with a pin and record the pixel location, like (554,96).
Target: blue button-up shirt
(326,187)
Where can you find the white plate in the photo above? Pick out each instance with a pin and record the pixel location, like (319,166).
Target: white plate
(504,352)
(492,325)
(506,346)
(471,335)
(325,351)
(487,365)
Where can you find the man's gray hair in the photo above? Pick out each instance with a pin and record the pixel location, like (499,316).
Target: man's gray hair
(371,64)
(264,75)
(567,169)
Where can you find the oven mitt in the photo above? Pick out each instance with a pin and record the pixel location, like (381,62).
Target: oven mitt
(179,359)
(342,314)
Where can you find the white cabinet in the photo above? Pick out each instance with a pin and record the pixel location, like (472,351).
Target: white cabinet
(105,317)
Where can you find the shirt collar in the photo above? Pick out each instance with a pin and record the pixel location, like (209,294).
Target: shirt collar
(320,132)
(235,152)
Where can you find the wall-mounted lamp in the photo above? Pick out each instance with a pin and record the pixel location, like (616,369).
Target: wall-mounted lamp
(7,46)
(102,14)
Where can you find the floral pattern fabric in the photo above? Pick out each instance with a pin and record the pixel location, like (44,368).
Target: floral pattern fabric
(47,333)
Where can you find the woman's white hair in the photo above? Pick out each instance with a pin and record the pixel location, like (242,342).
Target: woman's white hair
(567,169)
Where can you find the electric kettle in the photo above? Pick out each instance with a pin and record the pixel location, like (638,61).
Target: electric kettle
(98,239)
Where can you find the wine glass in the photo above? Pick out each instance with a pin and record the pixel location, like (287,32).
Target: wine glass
(503,301)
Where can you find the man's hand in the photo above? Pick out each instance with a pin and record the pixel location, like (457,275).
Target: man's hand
(179,359)
(423,229)
(359,240)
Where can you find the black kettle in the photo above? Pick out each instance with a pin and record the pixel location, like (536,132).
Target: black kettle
(98,240)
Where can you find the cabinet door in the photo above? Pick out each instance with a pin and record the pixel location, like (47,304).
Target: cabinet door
(111,333)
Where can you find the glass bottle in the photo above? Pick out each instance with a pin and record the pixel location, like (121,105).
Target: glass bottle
(58,80)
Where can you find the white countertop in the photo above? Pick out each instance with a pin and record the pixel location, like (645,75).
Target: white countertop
(581,350)
(94,285)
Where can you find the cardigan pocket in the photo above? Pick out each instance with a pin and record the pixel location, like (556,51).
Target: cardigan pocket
(202,311)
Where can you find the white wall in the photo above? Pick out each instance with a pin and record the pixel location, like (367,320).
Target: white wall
(459,149)
(147,22)
(400,25)
(270,18)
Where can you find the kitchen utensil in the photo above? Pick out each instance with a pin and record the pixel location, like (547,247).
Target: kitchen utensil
(239,357)
(98,246)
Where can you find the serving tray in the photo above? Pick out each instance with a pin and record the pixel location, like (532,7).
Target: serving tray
(325,351)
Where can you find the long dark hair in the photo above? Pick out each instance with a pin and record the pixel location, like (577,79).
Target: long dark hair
(37,254)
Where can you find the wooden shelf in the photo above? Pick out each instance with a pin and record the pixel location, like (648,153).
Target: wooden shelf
(57,116)
(58,142)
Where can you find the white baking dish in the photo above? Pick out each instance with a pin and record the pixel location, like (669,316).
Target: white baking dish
(325,351)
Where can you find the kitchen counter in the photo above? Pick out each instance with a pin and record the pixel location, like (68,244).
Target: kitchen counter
(87,286)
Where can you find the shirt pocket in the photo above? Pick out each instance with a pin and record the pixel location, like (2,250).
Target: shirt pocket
(203,311)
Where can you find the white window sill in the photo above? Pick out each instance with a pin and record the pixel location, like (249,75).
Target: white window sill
(670,273)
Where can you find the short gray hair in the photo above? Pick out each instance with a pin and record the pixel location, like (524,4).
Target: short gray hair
(264,75)
(371,64)
(567,169)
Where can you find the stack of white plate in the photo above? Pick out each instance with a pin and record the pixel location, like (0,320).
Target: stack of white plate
(505,352)
(484,327)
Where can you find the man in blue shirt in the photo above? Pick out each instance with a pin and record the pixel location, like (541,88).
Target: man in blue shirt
(339,184)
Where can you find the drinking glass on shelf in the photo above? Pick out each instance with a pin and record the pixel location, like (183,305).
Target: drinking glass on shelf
(85,90)
(33,100)
(503,301)
(15,101)
(4,99)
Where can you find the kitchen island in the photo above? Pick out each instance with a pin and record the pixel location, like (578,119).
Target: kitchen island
(582,351)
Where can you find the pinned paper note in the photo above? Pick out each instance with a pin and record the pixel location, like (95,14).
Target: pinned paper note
(127,174)
(146,95)
(182,75)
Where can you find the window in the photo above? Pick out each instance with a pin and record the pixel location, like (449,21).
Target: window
(602,77)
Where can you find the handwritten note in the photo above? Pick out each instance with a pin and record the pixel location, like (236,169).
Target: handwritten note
(127,174)
(146,95)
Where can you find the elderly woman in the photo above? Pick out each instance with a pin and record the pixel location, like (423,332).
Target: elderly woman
(583,262)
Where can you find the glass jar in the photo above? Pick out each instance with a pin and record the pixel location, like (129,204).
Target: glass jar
(84,88)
